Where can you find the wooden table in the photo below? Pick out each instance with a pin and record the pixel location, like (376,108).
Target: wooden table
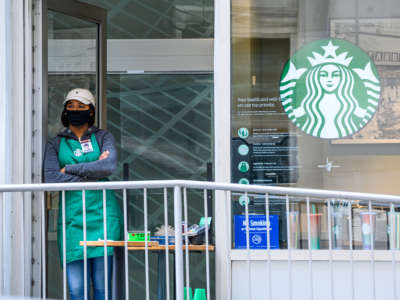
(152,246)
(140,246)
(172,247)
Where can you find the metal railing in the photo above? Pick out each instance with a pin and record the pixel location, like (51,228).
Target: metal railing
(287,196)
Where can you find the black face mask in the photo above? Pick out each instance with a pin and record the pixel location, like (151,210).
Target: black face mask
(78,117)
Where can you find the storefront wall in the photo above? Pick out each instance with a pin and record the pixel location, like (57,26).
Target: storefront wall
(253,41)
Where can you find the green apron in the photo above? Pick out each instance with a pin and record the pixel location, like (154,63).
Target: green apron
(70,153)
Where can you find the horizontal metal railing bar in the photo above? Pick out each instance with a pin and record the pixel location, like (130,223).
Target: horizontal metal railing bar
(160,184)
(317,255)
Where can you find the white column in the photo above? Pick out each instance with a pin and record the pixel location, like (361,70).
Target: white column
(222,144)
(15,144)
(16,238)
(4,133)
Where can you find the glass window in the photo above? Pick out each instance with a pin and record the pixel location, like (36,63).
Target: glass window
(162,124)
(315,88)
(158,19)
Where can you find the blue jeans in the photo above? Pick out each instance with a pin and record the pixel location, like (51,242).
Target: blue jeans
(95,274)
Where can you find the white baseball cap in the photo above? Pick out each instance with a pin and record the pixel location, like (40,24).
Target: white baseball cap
(82,95)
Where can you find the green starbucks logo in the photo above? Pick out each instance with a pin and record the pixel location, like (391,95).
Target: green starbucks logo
(78,152)
(330,89)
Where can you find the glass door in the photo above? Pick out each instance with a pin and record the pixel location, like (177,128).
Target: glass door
(76,58)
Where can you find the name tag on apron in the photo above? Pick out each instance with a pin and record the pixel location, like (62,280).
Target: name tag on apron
(86,146)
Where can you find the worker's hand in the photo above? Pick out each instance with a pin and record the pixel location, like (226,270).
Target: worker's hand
(104,155)
(62,170)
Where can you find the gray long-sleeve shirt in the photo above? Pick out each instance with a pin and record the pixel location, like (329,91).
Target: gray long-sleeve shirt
(83,171)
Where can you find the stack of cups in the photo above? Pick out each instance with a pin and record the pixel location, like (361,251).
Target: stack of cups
(294,221)
(368,221)
(315,230)
(339,229)
(394,230)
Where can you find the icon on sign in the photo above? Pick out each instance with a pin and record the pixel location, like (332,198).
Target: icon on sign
(243,181)
(243,133)
(243,166)
(256,239)
(243,149)
(243,200)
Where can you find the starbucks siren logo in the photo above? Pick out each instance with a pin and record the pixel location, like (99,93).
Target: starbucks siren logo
(78,152)
(330,89)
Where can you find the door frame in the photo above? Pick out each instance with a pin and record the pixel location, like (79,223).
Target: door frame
(88,13)
(222,144)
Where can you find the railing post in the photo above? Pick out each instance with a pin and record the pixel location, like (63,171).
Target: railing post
(178,243)
(44,241)
(1,243)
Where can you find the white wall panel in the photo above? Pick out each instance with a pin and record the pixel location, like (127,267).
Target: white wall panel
(156,55)
(321,280)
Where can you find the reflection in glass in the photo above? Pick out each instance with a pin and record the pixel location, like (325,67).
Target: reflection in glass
(72,45)
(162,124)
